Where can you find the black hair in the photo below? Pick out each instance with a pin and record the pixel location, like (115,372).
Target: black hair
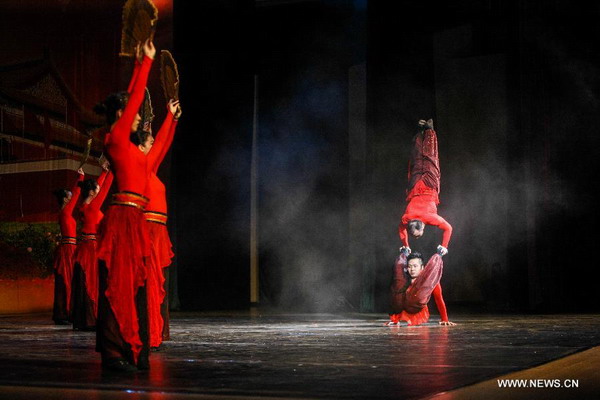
(109,107)
(415,224)
(86,186)
(413,255)
(140,136)
(60,195)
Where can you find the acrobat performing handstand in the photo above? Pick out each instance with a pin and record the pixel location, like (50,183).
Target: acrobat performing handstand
(413,283)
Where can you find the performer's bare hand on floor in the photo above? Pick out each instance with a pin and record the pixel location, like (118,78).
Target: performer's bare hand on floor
(447,323)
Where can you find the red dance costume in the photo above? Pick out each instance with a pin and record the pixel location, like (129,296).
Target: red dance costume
(124,243)
(85,310)
(423,197)
(409,297)
(63,259)
(424,187)
(156,215)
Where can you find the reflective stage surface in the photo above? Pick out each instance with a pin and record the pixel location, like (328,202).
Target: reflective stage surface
(257,355)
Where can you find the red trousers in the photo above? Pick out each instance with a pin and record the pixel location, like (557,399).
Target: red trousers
(63,274)
(413,296)
(157,285)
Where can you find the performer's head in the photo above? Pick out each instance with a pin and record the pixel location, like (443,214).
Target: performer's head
(63,196)
(414,265)
(112,109)
(143,140)
(416,228)
(89,189)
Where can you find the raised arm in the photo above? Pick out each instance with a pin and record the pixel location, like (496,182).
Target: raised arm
(75,192)
(104,189)
(168,144)
(136,72)
(162,141)
(139,56)
(102,177)
(122,129)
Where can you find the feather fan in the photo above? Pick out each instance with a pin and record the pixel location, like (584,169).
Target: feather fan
(139,24)
(169,75)
(147,112)
(86,153)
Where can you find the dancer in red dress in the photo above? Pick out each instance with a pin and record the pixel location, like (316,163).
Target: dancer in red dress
(124,244)
(63,258)
(156,215)
(85,275)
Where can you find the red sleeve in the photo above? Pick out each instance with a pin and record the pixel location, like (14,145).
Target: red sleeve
(102,177)
(436,220)
(162,142)
(104,188)
(403,233)
(136,71)
(439,302)
(75,192)
(122,129)
(168,144)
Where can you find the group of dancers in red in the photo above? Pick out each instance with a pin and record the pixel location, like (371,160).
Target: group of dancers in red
(414,282)
(112,279)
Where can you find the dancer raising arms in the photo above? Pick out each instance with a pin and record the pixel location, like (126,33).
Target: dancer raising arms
(85,275)
(156,215)
(124,245)
(63,258)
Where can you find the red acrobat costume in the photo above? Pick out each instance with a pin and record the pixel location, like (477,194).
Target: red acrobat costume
(161,252)
(422,198)
(85,277)
(424,187)
(63,258)
(409,297)
(124,244)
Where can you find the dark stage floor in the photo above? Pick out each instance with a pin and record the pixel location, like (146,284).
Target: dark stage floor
(293,356)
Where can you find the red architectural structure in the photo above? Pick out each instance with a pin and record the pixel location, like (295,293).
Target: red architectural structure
(43,135)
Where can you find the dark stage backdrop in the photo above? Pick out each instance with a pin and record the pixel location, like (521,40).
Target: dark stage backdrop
(512,87)
(213,45)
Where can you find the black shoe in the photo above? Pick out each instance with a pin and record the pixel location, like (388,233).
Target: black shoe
(118,365)
(61,322)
